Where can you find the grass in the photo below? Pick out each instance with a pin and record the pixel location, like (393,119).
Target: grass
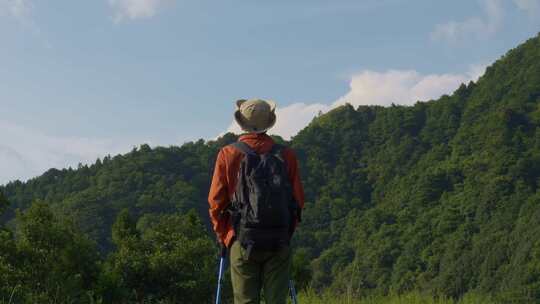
(310,297)
(412,298)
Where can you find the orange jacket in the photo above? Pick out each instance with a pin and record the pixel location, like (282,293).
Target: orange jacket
(225,178)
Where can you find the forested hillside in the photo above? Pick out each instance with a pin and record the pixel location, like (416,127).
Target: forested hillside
(441,197)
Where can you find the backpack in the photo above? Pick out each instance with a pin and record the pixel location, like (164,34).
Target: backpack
(263,206)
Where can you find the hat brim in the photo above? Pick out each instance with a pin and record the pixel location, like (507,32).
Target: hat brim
(239,102)
(250,129)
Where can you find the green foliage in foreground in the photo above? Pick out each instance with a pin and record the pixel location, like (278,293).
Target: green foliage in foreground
(48,260)
(411,298)
(169,260)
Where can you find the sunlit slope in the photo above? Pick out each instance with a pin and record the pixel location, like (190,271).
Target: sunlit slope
(441,196)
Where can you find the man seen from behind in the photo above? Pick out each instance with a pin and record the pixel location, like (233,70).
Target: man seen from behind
(256,198)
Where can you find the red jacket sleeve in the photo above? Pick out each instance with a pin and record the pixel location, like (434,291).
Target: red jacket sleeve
(218,198)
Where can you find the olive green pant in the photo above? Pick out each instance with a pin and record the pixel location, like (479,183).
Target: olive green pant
(264,270)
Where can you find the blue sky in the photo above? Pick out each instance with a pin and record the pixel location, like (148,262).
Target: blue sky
(81,79)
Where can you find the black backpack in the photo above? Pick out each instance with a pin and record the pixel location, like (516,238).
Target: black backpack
(263,207)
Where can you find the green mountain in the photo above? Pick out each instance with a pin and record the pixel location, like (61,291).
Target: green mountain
(440,197)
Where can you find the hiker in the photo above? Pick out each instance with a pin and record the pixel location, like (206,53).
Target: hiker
(255,201)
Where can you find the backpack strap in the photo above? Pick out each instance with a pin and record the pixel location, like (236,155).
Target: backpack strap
(243,147)
(277,151)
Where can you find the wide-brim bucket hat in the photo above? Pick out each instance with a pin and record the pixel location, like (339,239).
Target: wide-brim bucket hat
(255,115)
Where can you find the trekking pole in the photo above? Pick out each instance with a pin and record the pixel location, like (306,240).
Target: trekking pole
(292,291)
(222,261)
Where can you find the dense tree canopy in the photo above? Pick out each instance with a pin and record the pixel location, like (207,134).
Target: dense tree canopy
(49,260)
(440,197)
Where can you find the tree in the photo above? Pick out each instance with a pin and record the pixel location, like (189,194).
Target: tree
(172,259)
(49,261)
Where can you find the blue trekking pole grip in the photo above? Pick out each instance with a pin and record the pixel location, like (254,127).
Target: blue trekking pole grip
(222,262)
(292,291)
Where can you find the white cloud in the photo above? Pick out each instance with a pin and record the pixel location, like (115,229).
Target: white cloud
(136,9)
(484,26)
(22,12)
(25,153)
(17,9)
(478,27)
(404,87)
(532,7)
(14,165)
